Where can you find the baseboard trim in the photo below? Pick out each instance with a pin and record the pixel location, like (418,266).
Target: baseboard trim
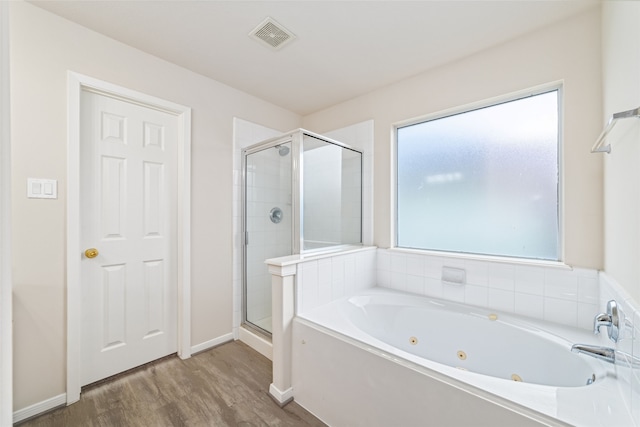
(211,343)
(281,397)
(40,407)
(256,342)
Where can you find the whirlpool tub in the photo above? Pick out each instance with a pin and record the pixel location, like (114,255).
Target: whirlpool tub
(479,366)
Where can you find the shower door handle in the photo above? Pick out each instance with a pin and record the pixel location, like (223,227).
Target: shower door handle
(246,238)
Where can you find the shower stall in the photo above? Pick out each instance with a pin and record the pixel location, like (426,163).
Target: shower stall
(302,194)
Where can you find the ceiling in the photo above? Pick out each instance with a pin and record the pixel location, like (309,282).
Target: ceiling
(342,49)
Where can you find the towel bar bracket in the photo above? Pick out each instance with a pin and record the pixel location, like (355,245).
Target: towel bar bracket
(599,146)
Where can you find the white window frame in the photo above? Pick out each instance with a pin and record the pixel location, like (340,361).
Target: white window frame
(513,96)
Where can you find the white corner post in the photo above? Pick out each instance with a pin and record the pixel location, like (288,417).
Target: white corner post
(282,306)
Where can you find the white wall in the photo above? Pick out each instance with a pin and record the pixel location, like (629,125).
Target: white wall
(6,399)
(43,48)
(568,51)
(621,92)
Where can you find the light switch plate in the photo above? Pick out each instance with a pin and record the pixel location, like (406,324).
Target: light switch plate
(38,188)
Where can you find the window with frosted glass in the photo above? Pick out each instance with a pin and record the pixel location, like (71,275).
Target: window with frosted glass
(483,181)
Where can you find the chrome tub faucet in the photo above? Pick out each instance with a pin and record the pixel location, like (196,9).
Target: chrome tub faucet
(610,319)
(608,355)
(602,353)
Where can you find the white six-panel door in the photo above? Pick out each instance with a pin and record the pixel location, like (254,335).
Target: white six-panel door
(128,211)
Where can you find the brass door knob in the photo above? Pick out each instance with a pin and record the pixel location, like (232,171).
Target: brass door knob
(91,253)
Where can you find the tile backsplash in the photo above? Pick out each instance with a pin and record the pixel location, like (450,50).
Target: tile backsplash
(557,294)
(552,293)
(323,279)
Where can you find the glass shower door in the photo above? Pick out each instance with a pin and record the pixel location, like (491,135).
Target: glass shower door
(268,227)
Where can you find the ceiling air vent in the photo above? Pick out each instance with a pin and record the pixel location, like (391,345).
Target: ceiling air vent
(272,34)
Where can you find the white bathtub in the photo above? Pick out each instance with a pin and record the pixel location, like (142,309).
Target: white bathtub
(525,365)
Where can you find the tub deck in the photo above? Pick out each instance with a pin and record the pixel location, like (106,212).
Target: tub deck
(392,378)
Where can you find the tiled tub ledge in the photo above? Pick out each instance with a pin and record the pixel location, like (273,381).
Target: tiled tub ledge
(544,291)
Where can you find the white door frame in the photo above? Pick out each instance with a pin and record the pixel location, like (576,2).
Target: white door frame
(75,84)
(6,326)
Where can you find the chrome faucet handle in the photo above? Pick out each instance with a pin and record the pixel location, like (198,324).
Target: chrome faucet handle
(602,319)
(610,319)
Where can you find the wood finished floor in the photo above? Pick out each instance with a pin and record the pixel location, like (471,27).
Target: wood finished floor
(225,386)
